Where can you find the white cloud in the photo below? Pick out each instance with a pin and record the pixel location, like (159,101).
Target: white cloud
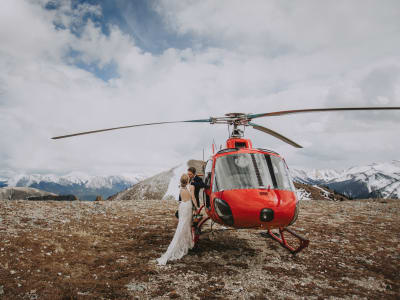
(265,57)
(305,26)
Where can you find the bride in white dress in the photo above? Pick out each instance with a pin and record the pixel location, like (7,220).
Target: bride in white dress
(182,240)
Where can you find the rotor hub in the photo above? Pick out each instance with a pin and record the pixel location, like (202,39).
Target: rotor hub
(236,119)
(236,115)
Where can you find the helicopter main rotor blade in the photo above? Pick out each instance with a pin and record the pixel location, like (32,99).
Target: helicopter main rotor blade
(287,112)
(130,126)
(275,134)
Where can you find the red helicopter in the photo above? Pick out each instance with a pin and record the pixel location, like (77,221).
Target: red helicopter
(248,187)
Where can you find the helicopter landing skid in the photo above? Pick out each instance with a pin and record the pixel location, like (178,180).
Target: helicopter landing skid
(196,228)
(280,238)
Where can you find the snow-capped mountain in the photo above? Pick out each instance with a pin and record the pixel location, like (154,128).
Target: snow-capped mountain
(374,180)
(84,186)
(314,176)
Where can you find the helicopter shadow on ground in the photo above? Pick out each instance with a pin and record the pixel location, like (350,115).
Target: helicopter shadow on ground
(219,253)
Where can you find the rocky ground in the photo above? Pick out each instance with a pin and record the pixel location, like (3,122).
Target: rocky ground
(106,250)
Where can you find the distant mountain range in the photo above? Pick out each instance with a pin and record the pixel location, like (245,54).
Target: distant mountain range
(376,180)
(83,186)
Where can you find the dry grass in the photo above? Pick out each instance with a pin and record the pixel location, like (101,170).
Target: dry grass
(106,250)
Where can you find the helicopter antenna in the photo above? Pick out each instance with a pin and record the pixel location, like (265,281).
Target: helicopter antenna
(213,146)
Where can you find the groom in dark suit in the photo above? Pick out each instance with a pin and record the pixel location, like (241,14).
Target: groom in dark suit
(197,182)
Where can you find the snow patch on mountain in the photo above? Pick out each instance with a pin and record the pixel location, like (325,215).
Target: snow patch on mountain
(303,195)
(324,193)
(173,187)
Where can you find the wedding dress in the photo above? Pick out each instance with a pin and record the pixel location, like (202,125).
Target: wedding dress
(182,240)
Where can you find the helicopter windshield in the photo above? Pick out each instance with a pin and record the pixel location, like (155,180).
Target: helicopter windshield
(251,171)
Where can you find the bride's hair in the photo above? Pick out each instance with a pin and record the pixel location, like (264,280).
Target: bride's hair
(184,180)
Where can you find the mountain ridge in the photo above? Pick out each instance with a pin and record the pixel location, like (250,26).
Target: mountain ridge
(375,180)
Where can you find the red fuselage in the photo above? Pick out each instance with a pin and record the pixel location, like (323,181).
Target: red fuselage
(245,183)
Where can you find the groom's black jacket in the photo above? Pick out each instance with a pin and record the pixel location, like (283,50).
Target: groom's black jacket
(198,184)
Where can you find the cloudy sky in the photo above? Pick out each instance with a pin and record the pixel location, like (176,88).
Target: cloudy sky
(69,66)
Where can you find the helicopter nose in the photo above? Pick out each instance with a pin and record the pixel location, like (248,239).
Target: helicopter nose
(254,208)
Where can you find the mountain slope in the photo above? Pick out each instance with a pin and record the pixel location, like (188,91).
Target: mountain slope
(154,187)
(164,185)
(313,192)
(21,193)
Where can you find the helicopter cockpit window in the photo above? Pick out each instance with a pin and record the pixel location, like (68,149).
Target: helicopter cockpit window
(207,172)
(242,171)
(251,171)
(240,145)
(281,173)
(207,182)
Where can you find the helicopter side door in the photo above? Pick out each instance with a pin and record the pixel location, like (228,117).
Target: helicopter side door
(207,182)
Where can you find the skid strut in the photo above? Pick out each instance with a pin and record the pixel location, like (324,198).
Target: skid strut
(197,224)
(282,241)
